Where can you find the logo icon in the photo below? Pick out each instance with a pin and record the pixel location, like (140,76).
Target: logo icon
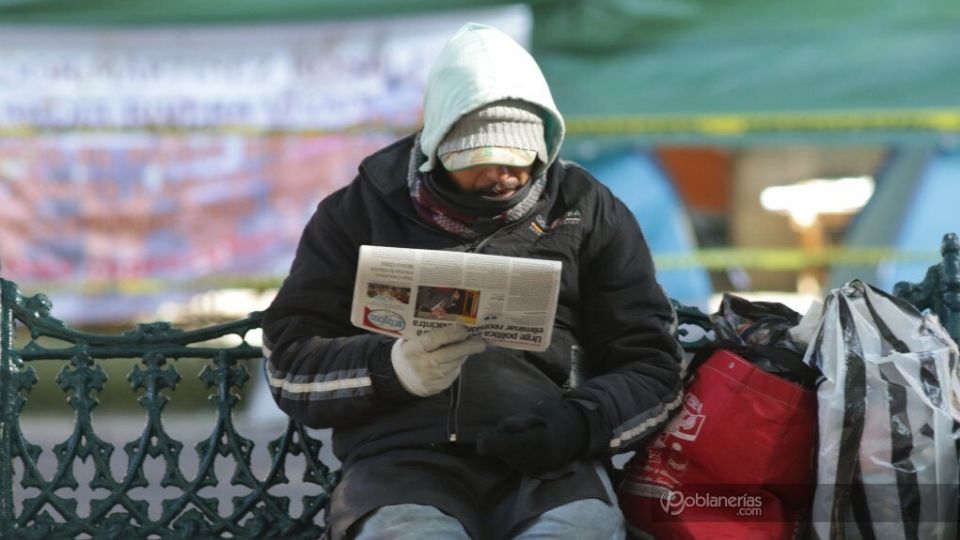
(672,502)
(384,319)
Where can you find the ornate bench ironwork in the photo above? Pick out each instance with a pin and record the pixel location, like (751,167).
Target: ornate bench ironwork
(258,513)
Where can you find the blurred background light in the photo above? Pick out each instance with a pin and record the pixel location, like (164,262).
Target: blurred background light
(805,200)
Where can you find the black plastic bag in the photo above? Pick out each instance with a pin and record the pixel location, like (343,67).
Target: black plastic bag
(760,333)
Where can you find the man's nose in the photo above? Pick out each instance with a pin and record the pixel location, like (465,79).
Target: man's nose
(496,172)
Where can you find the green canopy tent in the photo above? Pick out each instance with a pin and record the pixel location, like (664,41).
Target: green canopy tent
(724,71)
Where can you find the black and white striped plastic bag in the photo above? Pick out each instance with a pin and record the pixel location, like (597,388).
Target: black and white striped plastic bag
(888,419)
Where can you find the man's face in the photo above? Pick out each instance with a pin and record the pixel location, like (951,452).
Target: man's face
(491,181)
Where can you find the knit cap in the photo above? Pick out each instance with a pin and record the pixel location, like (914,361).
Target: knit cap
(507,132)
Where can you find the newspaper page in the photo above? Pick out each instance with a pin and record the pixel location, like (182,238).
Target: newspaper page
(508,301)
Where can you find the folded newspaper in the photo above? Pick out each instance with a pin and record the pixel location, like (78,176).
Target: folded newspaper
(508,301)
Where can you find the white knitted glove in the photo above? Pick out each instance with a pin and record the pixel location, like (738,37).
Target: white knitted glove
(429,363)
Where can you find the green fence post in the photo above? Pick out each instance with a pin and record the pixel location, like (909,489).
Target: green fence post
(940,289)
(6,411)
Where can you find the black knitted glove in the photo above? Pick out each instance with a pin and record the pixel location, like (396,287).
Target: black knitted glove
(550,436)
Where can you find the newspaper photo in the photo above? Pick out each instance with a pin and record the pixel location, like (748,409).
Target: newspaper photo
(508,301)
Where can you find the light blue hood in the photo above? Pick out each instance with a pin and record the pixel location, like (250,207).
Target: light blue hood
(478,66)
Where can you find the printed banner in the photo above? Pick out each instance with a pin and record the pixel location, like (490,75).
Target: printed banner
(143,161)
(104,210)
(293,77)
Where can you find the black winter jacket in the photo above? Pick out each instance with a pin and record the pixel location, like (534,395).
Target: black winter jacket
(611,314)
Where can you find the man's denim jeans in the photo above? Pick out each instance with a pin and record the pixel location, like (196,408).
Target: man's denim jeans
(589,519)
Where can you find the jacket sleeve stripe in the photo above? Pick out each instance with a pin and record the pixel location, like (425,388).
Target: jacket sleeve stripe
(643,424)
(321,386)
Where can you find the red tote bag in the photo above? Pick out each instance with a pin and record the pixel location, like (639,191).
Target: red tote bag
(736,462)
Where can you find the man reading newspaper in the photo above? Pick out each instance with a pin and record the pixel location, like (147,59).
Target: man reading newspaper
(442,435)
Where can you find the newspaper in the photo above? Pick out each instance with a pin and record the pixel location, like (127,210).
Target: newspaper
(508,301)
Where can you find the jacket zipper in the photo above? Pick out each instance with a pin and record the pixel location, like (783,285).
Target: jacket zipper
(475,247)
(453,427)
(480,243)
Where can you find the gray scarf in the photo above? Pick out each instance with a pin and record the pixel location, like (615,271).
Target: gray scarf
(455,212)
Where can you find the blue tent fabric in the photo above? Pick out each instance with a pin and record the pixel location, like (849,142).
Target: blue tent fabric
(879,222)
(931,213)
(642,184)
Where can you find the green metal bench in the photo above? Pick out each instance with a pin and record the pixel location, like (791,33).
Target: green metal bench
(258,513)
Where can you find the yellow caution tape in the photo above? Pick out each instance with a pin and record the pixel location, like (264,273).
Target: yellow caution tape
(789,259)
(724,124)
(709,259)
(938,120)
